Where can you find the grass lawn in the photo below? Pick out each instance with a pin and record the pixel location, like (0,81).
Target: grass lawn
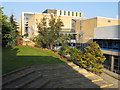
(22,56)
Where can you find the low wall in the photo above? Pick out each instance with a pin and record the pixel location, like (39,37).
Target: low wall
(112,74)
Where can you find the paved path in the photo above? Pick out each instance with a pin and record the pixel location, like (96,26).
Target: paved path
(54,76)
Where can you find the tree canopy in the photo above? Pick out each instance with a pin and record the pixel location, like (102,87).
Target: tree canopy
(9,29)
(49,33)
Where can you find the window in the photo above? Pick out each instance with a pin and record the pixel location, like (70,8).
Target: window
(80,14)
(105,44)
(68,13)
(116,44)
(107,62)
(116,64)
(76,14)
(64,12)
(60,12)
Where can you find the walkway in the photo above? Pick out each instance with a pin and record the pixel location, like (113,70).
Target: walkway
(54,76)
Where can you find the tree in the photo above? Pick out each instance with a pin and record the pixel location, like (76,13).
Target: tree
(41,39)
(9,30)
(48,36)
(54,29)
(5,27)
(93,58)
(75,54)
(13,31)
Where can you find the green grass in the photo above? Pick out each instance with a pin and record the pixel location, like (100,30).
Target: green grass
(22,56)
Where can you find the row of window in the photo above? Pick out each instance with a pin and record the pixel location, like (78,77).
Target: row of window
(109,44)
(77,14)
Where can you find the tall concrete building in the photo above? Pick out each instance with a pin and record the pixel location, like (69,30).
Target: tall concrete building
(28,26)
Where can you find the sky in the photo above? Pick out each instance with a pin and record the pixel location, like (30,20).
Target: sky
(90,9)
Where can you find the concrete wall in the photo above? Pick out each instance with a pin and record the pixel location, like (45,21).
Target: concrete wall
(110,32)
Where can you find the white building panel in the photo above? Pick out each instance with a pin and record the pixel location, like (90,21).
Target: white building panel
(107,32)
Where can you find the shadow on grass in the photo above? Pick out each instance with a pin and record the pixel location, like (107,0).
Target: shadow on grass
(11,61)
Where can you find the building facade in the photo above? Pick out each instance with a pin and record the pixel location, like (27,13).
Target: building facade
(63,13)
(108,38)
(86,28)
(28,26)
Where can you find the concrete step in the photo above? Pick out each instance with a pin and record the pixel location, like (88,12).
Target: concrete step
(57,71)
(14,76)
(86,85)
(67,81)
(29,81)
(87,74)
(21,80)
(15,71)
(50,66)
(103,84)
(37,83)
(95,78)
(64,76)
(96,84)
(54,76)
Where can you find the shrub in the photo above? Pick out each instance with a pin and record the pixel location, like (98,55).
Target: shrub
(93,58)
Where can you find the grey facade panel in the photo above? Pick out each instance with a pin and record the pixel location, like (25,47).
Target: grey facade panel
(107,32)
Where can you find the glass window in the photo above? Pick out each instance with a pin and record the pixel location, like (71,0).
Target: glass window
(115,44)
(116,64)
(80,14)
(60,12)
(100,43)
(68,13)
(64,12)
(110,44)
(104,44)
(72,13)
(76,14)
(107,62)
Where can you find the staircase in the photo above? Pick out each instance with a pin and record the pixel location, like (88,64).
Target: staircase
(54,76)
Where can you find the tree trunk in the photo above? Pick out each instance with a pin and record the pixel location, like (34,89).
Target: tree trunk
(51,46)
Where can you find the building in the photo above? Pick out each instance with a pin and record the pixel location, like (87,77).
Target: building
(23,23)
(28,26)
(86,28)
(108,38)
(63,13)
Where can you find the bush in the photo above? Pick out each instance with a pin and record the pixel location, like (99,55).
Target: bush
(93,58)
